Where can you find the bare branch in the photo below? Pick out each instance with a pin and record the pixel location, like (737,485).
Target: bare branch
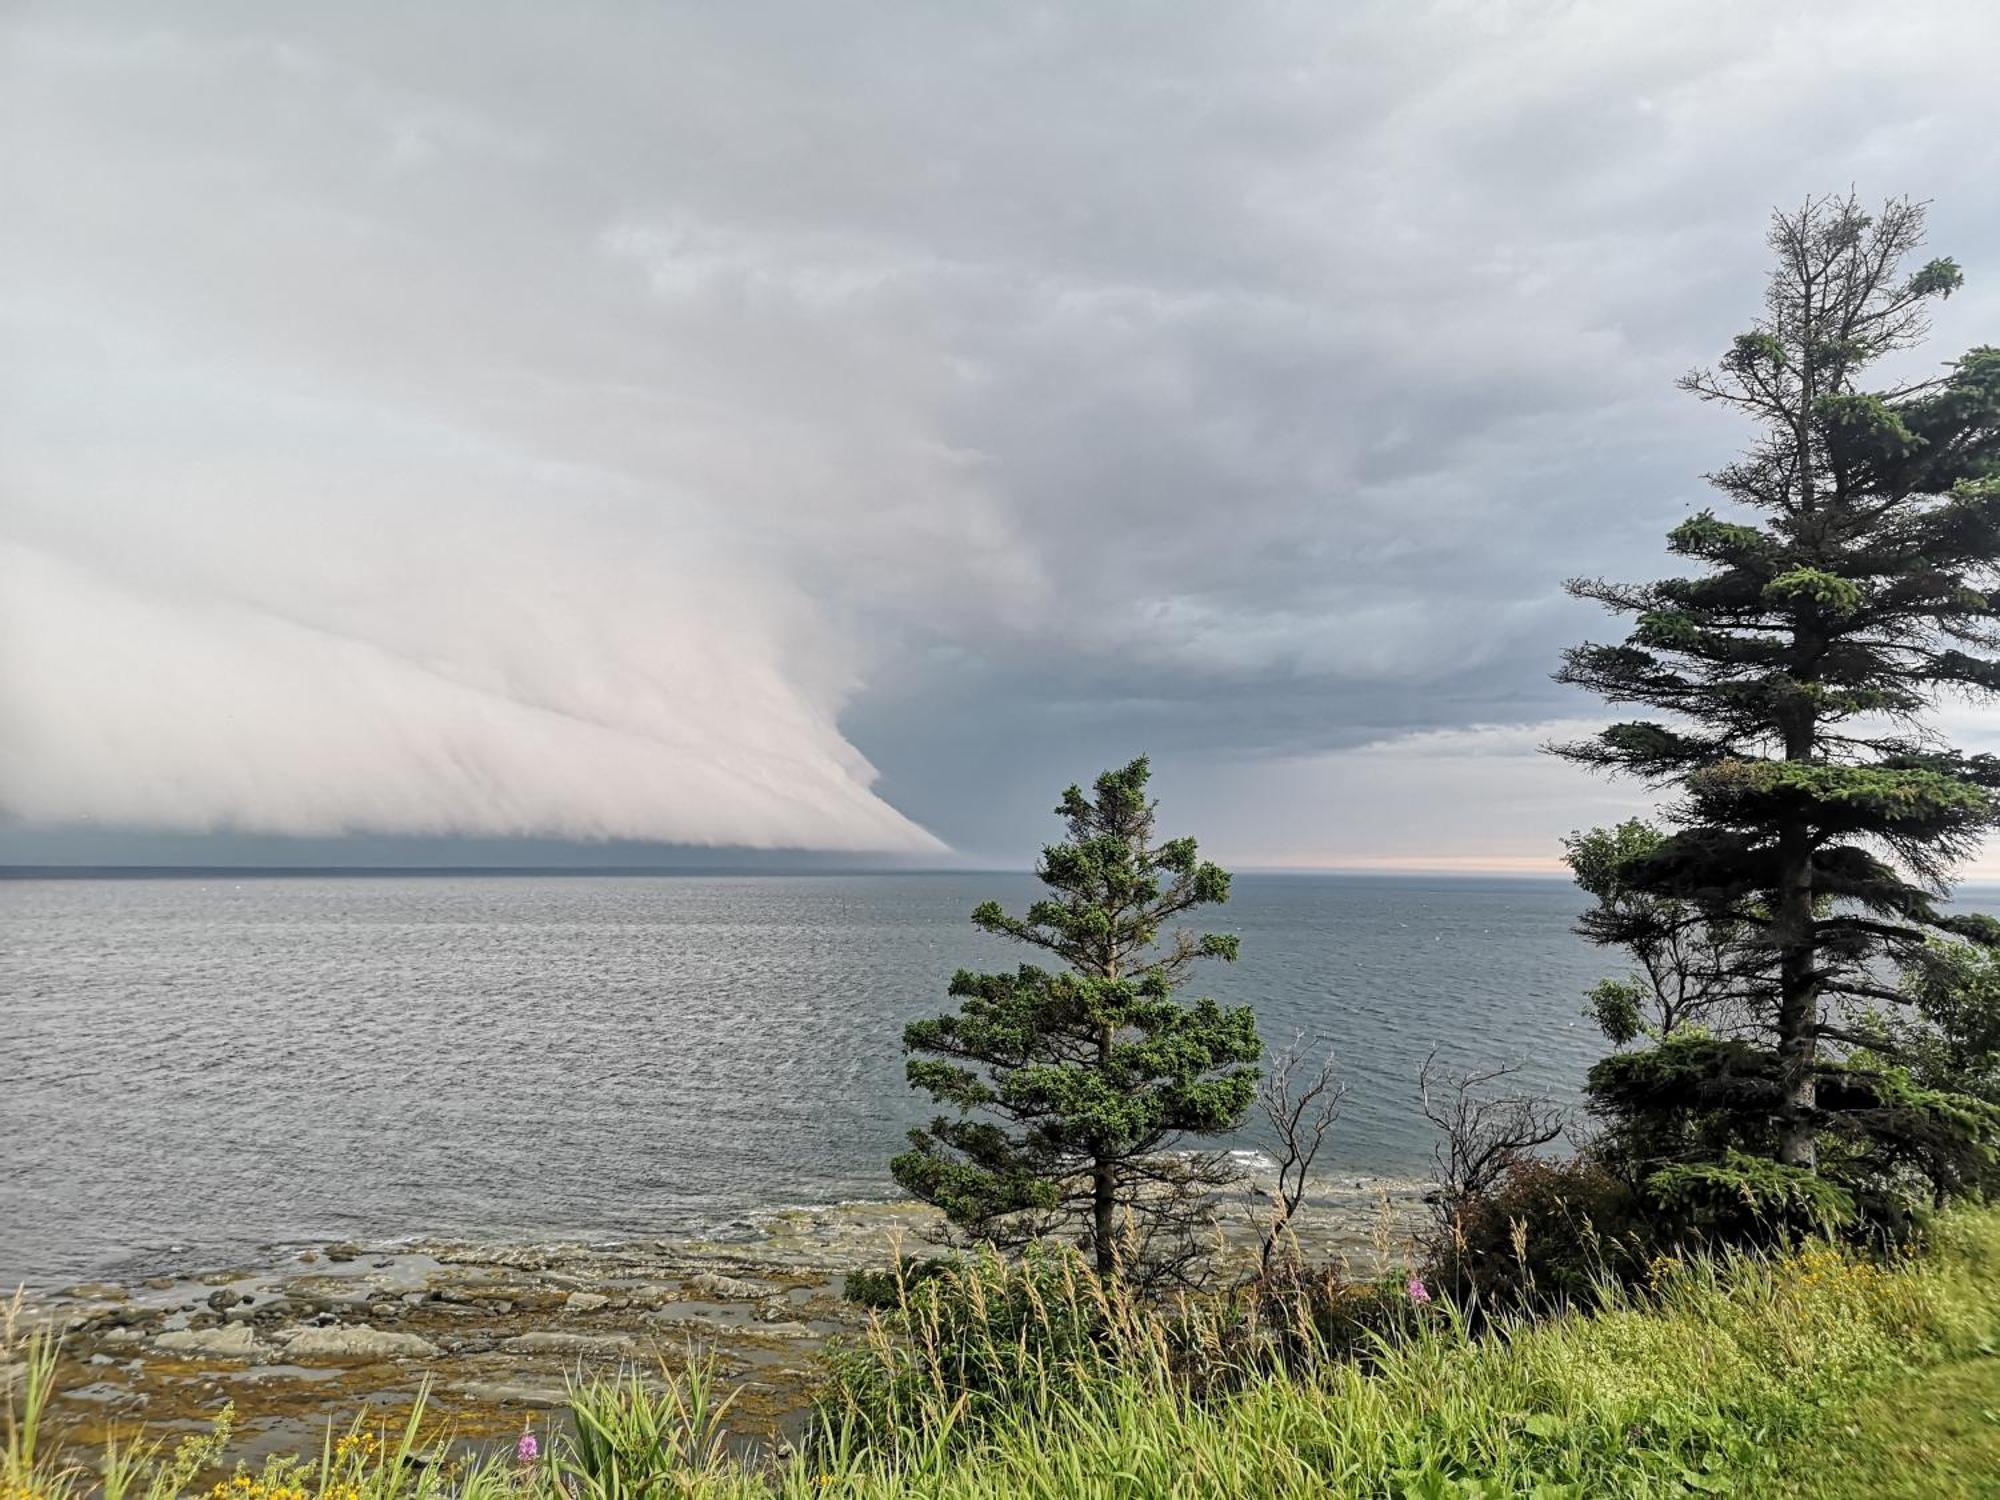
(1301,1107)
(1482,1129)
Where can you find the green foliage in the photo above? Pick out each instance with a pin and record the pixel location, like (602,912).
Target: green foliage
(1710,1376)
(1550,1235)
(1685,954)
(632,1439)
(989,1337)
(1949,1037)
(1071,1082)
(882,1291)
(1817,821)
(1748,1198)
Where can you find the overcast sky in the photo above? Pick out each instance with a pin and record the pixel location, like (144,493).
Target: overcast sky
(842,426)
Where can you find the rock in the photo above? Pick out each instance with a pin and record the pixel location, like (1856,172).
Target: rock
(690,1318)
(159,1283)
(223,1299)
(784,1330)
(584,1302)
(121,1336)
(730,1288)
(416,1299)
(357,1343)
(96,1291)
(567,1343)
(204,1320)
(233,1342)
(343,1251)
(500,1393)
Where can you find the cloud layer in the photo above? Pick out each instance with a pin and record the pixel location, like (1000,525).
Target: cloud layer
(600,421)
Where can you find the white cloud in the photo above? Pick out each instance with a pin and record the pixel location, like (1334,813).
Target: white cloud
(566,420)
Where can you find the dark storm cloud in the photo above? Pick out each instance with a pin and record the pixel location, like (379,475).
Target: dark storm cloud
(652,422)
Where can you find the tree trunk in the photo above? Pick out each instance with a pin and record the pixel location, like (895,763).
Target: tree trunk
(1104,1186)
(1798,956)
(1798,995)
(1798,986)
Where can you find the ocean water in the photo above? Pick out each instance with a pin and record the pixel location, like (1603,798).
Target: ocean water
(192,1067)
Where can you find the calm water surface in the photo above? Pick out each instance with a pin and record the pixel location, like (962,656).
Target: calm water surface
(191,1067)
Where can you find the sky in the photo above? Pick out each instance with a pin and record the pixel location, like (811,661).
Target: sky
(466,432)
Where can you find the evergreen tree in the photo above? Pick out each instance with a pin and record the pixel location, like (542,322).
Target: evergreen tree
(1070,1081)
(1819,812)
(1687,956)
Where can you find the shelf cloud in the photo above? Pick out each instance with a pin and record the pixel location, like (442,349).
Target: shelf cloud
(794,426)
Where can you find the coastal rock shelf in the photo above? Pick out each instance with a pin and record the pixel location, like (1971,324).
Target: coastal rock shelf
(318,1333)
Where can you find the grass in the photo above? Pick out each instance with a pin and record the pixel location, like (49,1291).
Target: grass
(1930,1435)
(1812,1373)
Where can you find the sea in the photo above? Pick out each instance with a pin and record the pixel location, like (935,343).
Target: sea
(196,1066)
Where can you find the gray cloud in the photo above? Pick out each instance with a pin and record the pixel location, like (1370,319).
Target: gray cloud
(614,422)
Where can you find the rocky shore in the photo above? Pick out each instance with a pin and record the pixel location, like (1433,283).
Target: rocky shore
(494,1331)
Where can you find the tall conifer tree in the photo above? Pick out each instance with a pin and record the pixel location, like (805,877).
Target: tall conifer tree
(1070,1082)
(1852,583)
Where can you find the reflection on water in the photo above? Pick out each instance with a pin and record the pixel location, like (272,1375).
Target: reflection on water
(220,1063)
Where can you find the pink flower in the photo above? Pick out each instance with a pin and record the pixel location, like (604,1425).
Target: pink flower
(527,1449)
(1419,1293)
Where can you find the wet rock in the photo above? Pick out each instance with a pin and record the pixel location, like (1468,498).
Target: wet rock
(567,1343)
(585,1302)
(360,1342)
(159,1283)
(785,1330)
(503,1393)
(96,1291)
(119,1337)
(730,1288)
(689,1320)
(223,1299)
(234,1342)
(345,1250)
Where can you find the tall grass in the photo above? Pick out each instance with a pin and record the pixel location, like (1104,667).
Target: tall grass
(1029,1379)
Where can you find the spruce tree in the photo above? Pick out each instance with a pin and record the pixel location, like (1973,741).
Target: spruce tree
(1070,1082)
(1851,584)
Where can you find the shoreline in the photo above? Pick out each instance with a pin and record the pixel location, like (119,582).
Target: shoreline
(494,1329)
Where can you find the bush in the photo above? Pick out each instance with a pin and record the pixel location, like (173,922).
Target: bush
(884,1291)
(1549,1235)
(982,1335)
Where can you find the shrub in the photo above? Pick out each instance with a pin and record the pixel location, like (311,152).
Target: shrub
(1548,1235)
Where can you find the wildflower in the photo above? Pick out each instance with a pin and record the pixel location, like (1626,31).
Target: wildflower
(527,1449)
(1419,1293)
